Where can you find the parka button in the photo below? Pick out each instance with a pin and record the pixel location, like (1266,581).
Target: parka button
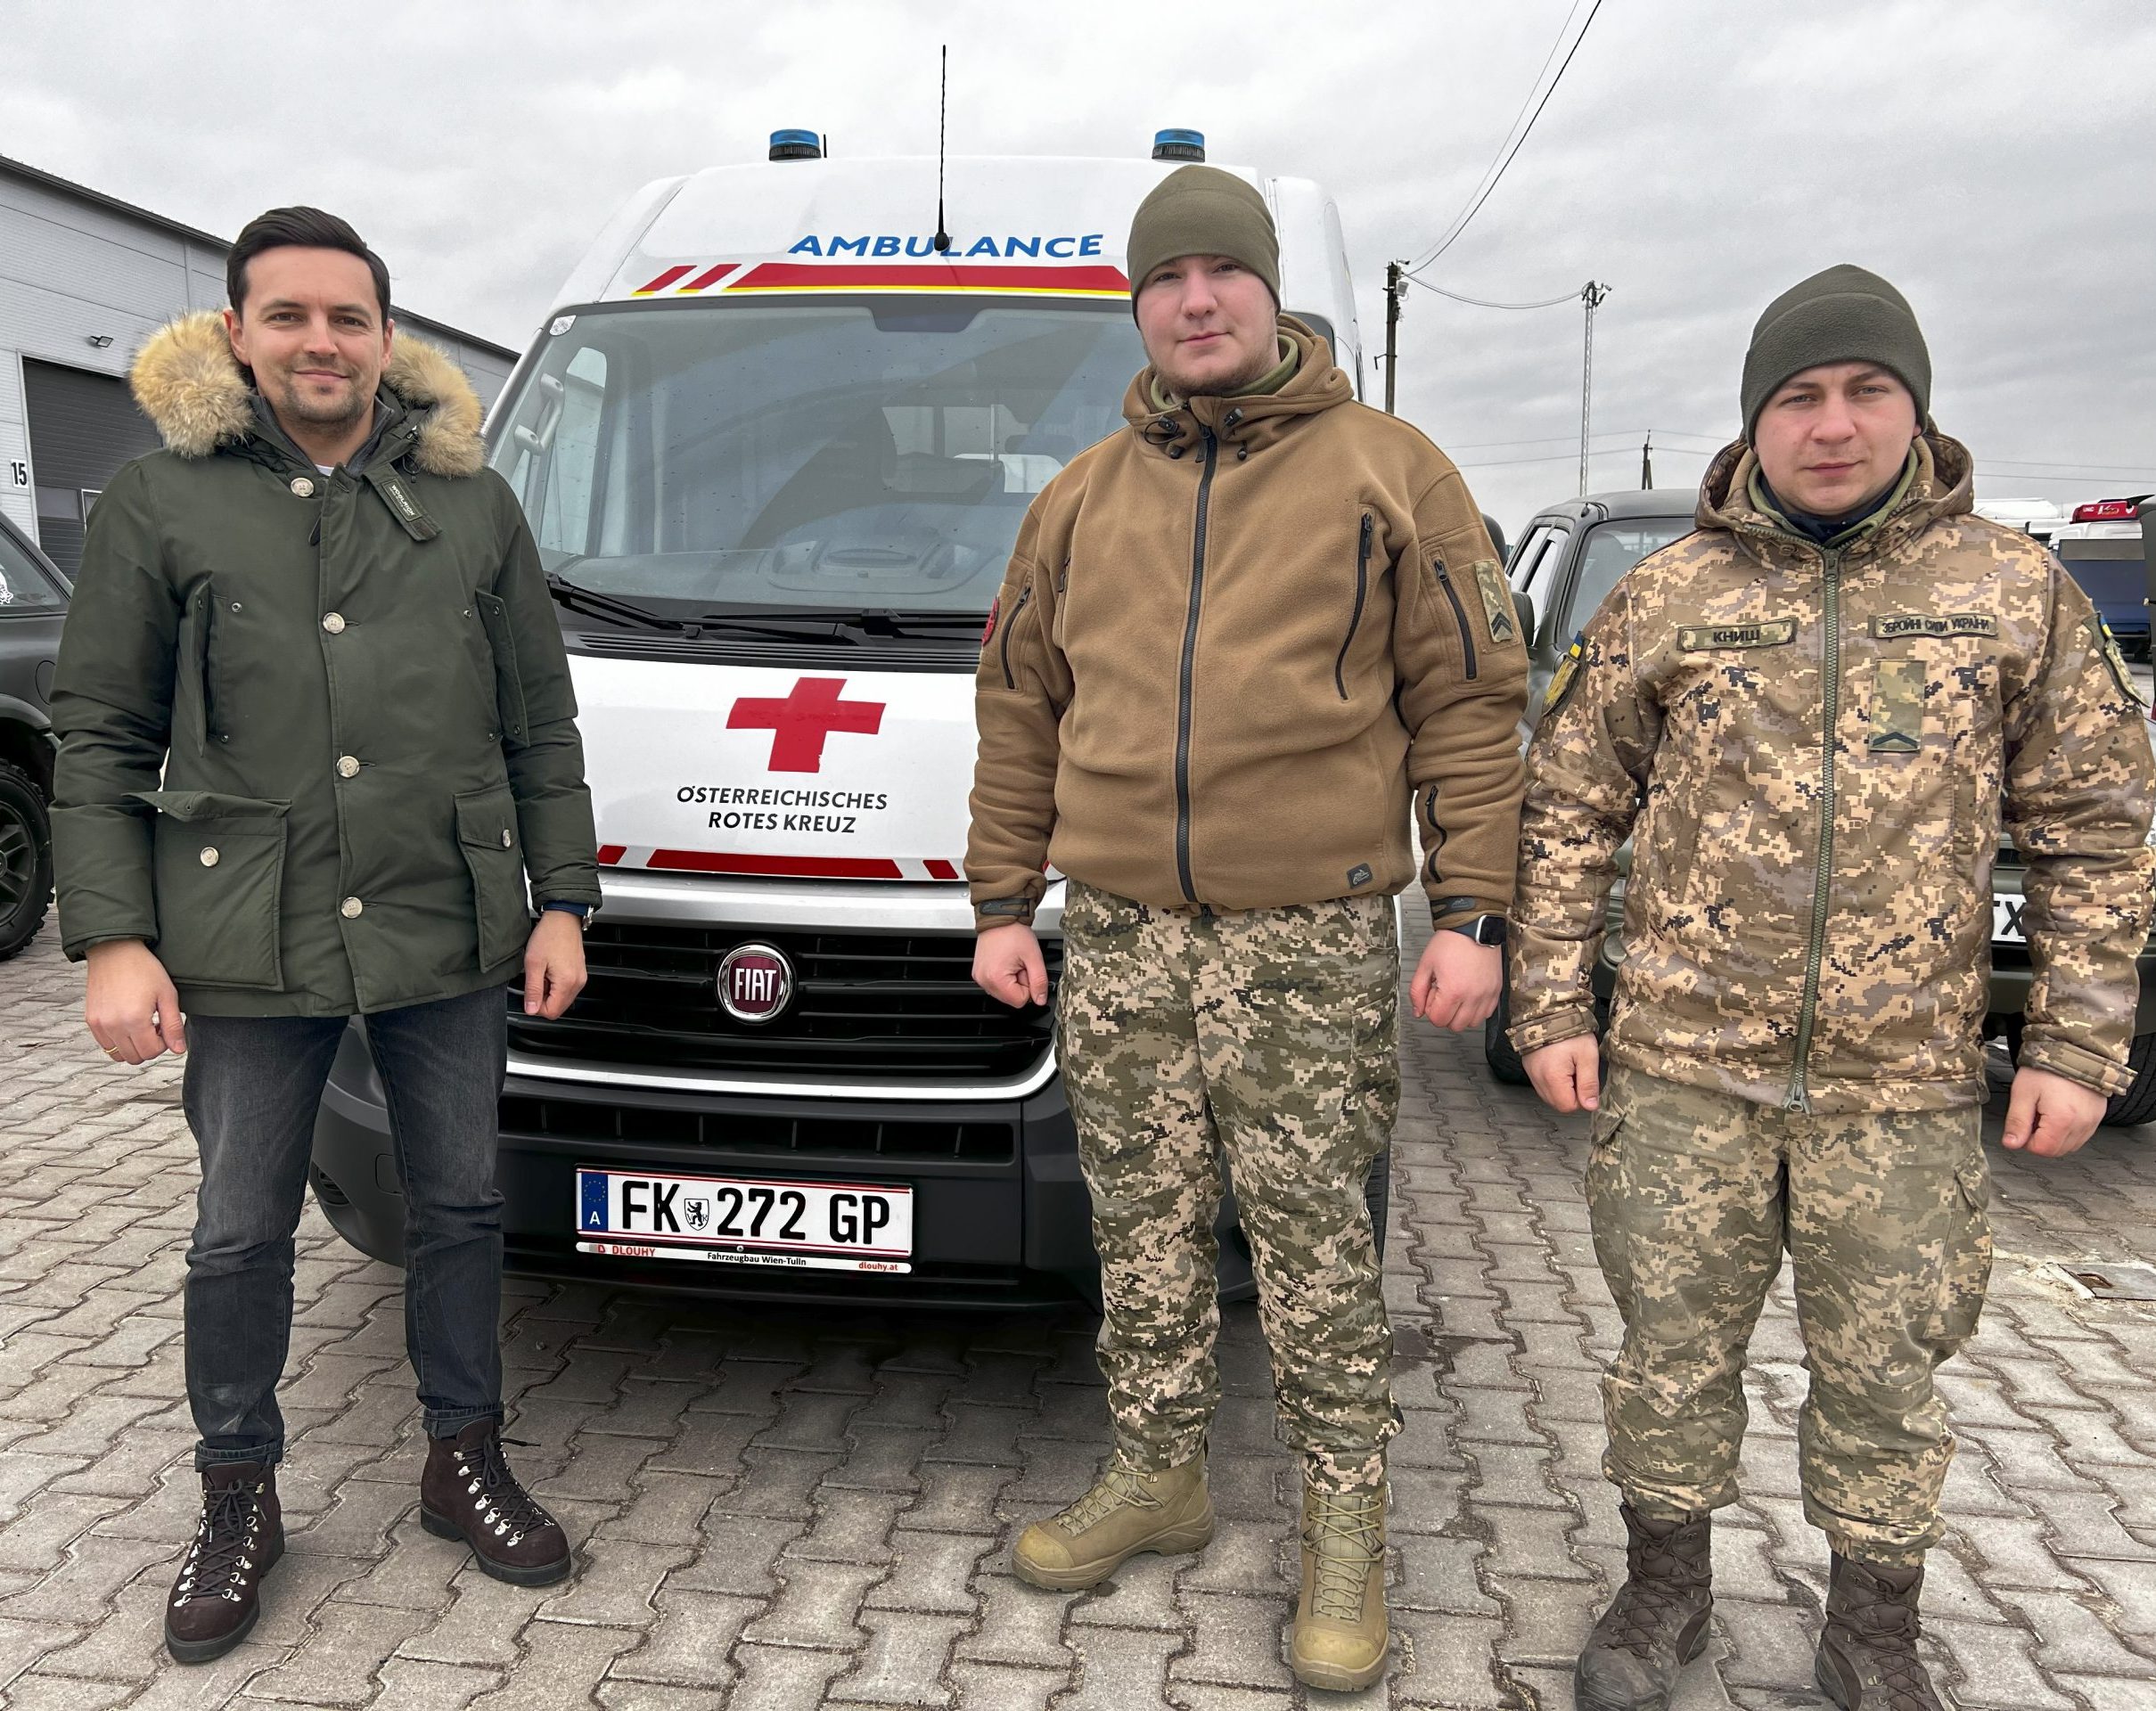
(507,842)
(209,855)
(303,485)
(334,623)
(349,908)
(347,766)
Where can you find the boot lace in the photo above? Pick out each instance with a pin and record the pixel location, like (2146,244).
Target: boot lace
(1344,1537)
(1118,1488)
(497,1497)
(1889,1631)
(224,1553)
(1652,1603)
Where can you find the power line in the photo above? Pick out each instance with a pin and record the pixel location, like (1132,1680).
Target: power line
(1556,42)
(1475,207)
(1485,303)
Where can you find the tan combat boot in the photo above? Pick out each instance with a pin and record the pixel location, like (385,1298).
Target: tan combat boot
(1340,1632)
(1124,1514)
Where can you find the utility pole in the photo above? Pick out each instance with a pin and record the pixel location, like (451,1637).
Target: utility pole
(1591,296)
(1396,288)
(1646,462)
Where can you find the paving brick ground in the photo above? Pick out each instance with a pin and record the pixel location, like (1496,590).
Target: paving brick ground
(784,1510)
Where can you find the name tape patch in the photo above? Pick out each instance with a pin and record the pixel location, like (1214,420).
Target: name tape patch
(1934,624)
(1767,633)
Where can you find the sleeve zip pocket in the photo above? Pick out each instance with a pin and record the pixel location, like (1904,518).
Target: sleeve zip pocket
(1025,596)
(1355,617)
(1459,613)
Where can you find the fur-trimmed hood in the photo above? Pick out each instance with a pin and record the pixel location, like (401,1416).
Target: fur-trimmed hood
(189,385)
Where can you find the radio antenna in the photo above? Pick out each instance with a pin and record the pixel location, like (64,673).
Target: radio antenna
(943,106)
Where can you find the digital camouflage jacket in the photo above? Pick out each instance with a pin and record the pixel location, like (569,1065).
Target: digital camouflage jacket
(1813,749)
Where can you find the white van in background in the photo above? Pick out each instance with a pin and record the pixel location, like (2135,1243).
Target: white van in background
(775,444)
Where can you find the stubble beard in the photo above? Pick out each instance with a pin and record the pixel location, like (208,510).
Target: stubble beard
(294,404)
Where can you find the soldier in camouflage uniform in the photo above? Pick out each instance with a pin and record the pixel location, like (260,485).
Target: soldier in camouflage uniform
(1233,642)
(1809,715)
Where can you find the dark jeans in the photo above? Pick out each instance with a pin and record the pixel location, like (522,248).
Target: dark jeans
(251,1089)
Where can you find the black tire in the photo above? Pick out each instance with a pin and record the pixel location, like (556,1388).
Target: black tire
(25,859)
(1497,1050)
(2137,1104)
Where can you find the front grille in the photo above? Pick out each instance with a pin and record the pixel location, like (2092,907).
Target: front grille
(865,1004)
(738,1131)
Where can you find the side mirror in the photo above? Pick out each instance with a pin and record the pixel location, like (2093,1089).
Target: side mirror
(1525,607)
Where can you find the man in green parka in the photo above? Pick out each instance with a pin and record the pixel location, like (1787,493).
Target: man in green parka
(316,737)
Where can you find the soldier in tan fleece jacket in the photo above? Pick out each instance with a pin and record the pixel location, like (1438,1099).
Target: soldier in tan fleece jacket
(1238,646)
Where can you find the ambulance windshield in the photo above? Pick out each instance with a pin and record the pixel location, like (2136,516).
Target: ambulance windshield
(850,453)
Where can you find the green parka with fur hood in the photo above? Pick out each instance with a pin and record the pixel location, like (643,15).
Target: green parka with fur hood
(316,730)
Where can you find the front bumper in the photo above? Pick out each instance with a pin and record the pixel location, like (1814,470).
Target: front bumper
(1002,1216)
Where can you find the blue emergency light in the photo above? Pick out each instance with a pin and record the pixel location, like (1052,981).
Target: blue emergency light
(796,145)
(1179,146)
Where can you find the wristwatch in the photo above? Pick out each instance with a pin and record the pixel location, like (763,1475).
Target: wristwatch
(1484,929)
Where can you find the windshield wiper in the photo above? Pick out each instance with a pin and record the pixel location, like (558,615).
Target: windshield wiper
(622,611)
(778,625)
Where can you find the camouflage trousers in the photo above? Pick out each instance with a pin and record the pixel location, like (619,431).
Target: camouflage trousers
(1268,1034)
(1694,1195)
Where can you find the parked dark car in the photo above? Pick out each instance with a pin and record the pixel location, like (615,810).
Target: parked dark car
(1568,559)
(33,601)
(2113,573)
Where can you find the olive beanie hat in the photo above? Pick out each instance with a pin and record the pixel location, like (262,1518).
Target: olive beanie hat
(1845,314)
(1202,211)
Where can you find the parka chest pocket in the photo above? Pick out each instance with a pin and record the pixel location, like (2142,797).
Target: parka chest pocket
(487,832)
(508,682)
(1924,697)
(218,863)
(190,708)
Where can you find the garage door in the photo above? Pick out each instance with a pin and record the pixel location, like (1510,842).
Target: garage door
(83,427)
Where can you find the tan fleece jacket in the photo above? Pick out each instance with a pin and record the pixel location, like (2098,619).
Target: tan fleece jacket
(1233,640)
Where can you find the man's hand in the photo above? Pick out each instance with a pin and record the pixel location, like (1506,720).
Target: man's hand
(1007,965)
(1568,1074)
(1457,981)
(554,963)
(2050,1115)
(131,1006)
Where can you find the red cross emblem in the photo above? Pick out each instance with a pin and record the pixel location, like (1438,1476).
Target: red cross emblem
(799,724)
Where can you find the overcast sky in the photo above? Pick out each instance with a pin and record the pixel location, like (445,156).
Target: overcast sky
(1991,156)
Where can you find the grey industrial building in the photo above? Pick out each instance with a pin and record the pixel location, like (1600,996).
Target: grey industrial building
(83,279)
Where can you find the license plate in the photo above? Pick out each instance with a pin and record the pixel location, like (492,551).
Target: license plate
(743,1221)
(2007,919)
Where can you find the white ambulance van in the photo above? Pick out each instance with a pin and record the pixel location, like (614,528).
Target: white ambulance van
(776,446)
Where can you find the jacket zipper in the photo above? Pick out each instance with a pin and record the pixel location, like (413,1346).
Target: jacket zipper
(1799,1095)
(1003,647)
(1355,617)
(1190,655)
(1459,612)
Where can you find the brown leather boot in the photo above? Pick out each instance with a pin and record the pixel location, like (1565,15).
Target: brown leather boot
(1657,1623)
(468,1493)
(1867,1656)
(216,1597)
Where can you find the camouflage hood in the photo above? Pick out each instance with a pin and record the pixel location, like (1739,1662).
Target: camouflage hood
(1944,487)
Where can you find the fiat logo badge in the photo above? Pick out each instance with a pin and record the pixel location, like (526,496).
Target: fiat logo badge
(755,982)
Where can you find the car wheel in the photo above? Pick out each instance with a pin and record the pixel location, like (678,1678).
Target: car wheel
(1497,1048)
(25,859)
(2137,1104)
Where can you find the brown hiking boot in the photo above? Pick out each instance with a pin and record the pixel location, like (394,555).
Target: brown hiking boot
(1867,1656)
(1341,1630)
(468,1493)
(1658,1621)
(216,1597)
(1123,1514)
